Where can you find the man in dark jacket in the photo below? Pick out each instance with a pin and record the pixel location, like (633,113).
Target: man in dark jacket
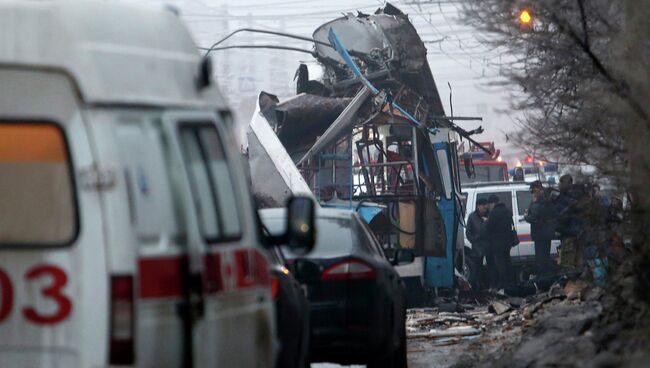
(499,233)
(475,233)
(541,216)
(569,222)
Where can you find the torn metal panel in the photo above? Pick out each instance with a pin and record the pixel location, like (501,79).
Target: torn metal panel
(343,122)
(274,177)
(387,49)
(301,119)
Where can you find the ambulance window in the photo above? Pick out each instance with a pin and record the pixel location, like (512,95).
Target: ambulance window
(37,205)
(213,187)
(150,195)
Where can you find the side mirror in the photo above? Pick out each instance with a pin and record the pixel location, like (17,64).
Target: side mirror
(469,166)
(403,257)
(301,220)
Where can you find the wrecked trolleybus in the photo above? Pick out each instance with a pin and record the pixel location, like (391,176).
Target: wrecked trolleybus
(371,134)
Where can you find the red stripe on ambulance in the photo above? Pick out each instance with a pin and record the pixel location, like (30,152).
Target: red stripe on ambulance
(162,277)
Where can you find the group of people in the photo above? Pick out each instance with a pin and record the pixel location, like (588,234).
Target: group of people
(577,214)
(589,227)
(491,231)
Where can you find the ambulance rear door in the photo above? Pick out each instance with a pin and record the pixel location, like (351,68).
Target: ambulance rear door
(53,279)
(228,282)
(146,237)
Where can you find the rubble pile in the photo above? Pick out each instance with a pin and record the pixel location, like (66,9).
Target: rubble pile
(509,331)
(561,327)
(445,328)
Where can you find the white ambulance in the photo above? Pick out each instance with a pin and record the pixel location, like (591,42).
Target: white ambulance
(127,233)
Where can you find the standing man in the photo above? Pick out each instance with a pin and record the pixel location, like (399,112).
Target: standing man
(476,235)
(499,232)
(541,216)
(569,223)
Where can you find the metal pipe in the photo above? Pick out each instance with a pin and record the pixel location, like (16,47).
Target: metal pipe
(416,169)
(255,30)
(392,163)
(257,47)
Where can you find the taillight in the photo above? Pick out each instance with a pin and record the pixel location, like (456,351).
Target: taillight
(275,287)
(349,270)
(121,330)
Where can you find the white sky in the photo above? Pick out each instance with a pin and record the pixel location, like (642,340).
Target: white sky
(454,53)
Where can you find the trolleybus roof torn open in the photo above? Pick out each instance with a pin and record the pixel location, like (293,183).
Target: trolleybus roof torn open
(372,134)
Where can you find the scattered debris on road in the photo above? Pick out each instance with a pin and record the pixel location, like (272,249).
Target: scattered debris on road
(559,327)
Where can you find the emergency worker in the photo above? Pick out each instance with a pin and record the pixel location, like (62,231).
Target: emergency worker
(541,216)
(476,235)
(596,235)
(500,235)
(568,226)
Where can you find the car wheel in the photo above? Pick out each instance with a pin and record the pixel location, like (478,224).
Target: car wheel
(397,358)
(385,362)
(400,360)
(305,363)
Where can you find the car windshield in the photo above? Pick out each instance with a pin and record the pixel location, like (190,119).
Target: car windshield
(333,236)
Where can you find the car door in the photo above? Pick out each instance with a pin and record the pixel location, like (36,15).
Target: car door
(395,285)
(526,246)
(146,239)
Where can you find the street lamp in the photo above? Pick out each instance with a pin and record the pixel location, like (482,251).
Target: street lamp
(525,18)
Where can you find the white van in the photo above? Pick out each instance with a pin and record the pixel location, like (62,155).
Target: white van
(127,233)
(517,197)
